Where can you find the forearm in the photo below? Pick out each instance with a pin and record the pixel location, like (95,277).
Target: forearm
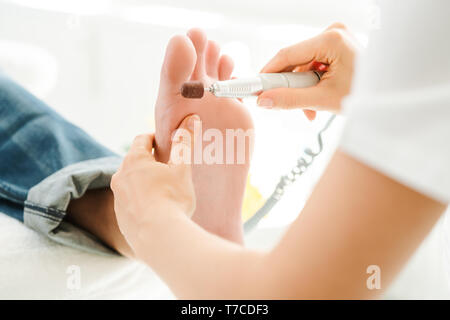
(324,254)
(211,266)
(355,218)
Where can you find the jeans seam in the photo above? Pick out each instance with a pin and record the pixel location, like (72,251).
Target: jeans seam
(44,216)
(9,195)
(46,210)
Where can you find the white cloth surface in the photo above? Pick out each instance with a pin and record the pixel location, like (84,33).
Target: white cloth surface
(35,267)
(398,115)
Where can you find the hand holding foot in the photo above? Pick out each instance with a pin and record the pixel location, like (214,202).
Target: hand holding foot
(219,187)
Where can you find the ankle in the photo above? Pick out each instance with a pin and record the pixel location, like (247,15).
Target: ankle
(225,226)
(94,212)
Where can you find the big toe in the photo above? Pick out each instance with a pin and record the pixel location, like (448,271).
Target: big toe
(179,63)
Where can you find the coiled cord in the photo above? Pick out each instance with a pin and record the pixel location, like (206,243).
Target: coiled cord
(300,168)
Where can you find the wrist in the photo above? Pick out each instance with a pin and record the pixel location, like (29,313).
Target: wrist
(151,229)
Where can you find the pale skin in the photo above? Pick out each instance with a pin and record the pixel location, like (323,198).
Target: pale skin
(336,48)
(190,57)
(355,217)
(194,57)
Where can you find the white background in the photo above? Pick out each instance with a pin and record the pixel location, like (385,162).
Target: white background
(97,63)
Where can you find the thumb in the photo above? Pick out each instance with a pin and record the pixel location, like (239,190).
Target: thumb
(183,140)
(289,98)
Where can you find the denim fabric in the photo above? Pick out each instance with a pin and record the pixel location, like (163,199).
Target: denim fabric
(41,151)
(47,202)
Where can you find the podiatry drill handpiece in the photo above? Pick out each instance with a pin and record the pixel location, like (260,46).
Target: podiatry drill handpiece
(245,87)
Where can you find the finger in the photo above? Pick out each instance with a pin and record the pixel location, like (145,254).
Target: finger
(183,140)
(303,67)
(314,65)
(310,114)
(343,27)
(143,144)
(297,54)
(289,98)
(113,184)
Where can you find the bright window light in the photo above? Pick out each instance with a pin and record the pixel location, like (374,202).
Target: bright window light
(82,7)
(171,17)
(34,67)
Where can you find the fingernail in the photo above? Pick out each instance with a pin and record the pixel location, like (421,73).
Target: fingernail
(191,122)
(265,103)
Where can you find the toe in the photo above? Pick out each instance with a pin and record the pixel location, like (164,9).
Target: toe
(212,59)
(198,38)
(178,63)
(225,68)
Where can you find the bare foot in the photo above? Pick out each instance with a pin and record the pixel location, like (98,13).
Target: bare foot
(219,187)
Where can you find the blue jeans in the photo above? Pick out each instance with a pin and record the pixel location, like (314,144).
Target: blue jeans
(45,161)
